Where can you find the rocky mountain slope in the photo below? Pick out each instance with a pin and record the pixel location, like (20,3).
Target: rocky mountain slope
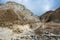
(17,22)
(51,16)
(50,24)
(17,12)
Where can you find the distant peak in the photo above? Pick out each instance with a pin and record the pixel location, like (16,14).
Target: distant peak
(49,11)
(58,8)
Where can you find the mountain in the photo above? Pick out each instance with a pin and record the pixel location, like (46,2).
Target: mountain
(51,16)
(45,16)
(17,22)
(12,12)
(50,25)
(51,22)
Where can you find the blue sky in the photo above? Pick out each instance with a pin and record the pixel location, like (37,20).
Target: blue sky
(38,7)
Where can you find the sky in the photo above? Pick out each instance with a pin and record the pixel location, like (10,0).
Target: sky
(38,7)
